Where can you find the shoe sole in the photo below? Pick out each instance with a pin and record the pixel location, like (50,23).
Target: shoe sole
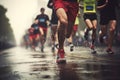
(71,49)
(94,52)
(61,61)
(110,52)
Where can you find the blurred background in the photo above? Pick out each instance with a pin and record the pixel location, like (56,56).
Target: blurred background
(16,16)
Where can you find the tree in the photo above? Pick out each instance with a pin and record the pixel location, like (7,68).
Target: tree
(6,32)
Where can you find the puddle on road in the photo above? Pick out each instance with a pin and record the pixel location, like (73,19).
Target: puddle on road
(43,68)
(71,71)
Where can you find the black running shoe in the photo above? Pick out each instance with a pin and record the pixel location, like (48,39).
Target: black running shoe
(71,47)
(53,49)
(93,51)
(57,46)
(42,48)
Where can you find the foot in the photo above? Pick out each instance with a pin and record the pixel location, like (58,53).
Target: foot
(93,51)
(57,46)
(53,49)
(110,51)
(61,56)
(71,47)
(42,48)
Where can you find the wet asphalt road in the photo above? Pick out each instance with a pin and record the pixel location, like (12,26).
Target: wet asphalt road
(22,64)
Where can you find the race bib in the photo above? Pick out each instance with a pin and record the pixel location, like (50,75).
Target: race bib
(36,27)
(89,6)
(42,20)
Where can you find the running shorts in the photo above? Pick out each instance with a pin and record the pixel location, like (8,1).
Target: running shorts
(105,17)
(71,8)
(91,16)
(34,36)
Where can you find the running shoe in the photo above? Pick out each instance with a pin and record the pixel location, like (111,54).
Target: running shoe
(61,56)
(57,46)
(110,51)
(53,49)
(42,48)
(93,51)
(71,47)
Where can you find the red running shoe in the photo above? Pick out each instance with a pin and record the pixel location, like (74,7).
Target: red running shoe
(91,46)
(110,51)
(93,51)
(61,56)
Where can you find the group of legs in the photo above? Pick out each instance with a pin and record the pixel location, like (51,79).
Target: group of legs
(91,22)
(107,34)
(67,14)
(36,36)
(108,24)
(71,39)
(37,40)
(106,30)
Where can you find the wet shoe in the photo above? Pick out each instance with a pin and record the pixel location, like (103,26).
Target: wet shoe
(109,51)
(93,51)
(53,49)
(61,56)
(71,47)
(42,48)
(92,46)
(57,46)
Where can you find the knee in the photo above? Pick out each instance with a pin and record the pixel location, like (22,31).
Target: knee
(64,21)
(112,25)
(112,29)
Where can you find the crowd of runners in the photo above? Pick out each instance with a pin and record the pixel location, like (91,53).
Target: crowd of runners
(65,22)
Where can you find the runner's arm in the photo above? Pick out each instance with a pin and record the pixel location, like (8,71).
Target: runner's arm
(50,4)
(102,6)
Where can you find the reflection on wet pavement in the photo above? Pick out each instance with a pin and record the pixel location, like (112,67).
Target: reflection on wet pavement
(21,64)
